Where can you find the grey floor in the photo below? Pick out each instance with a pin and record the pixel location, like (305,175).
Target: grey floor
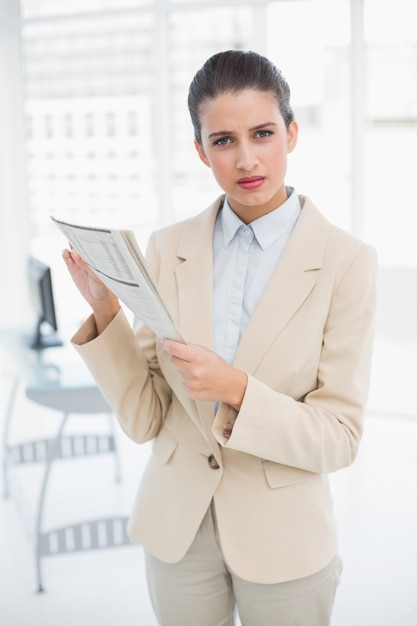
(376,505)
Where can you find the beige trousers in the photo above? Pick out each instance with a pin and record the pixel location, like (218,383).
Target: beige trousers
(201,590)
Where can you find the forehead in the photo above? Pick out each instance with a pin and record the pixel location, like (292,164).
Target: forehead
(249,105)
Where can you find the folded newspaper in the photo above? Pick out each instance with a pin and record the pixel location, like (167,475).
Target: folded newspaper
(115,257)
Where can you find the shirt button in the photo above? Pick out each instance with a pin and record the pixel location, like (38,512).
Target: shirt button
(212,462)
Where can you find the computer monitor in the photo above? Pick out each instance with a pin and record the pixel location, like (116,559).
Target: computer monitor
(41,293)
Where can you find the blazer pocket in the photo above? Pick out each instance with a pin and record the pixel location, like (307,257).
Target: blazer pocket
(164,446)
(278,475)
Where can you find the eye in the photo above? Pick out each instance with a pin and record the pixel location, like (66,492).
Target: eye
(264,133)
(223,141)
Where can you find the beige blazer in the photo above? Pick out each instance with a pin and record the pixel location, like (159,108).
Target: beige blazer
(307,352)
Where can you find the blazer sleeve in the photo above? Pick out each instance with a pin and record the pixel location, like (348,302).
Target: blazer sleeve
(125,367)
(319,432)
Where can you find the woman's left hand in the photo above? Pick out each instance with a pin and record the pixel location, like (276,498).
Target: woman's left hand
(205,375)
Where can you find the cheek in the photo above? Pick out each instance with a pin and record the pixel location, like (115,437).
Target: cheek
(220,165)
(279,154)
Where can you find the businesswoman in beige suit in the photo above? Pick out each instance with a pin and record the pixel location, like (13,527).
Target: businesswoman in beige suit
(266,397)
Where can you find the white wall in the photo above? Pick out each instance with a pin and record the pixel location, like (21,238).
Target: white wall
(14,220)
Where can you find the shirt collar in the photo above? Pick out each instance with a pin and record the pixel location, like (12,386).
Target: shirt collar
(268,228)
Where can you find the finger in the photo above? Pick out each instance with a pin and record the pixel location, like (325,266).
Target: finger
(175,348)
(70,262)
(78,259)
(67,256)
(74,263)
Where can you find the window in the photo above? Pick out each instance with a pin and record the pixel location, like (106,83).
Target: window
(391,216)
(88,104)
(315,61)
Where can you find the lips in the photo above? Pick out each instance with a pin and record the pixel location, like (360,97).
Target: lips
(251,182)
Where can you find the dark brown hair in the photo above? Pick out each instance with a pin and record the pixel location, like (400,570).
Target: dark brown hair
(234,71)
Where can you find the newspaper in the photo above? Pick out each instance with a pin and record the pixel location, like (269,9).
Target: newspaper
(115,257)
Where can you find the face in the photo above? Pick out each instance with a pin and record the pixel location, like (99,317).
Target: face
(245,142)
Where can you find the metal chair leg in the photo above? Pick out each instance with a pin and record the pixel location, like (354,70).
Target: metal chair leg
(52,453)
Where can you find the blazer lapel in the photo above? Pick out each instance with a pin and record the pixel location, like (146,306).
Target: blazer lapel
(290,284)
(194,277)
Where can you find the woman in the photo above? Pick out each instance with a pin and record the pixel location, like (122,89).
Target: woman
(268,394)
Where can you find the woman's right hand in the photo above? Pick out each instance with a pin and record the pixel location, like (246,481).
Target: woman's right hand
(104,303)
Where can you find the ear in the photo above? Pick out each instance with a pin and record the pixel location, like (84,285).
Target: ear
(201,153)
(292,136)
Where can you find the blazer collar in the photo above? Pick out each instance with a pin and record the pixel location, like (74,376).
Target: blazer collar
(306,244)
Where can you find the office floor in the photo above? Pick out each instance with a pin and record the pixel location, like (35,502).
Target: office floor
(376,506)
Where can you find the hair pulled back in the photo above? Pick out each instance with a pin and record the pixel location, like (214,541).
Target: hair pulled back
(234,71)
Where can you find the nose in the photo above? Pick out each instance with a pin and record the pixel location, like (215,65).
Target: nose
(246,157)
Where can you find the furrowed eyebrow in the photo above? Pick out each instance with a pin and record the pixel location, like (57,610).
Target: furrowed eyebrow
(220,133)
(260,126)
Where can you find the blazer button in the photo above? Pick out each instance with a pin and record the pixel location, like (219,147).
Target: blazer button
(212,462)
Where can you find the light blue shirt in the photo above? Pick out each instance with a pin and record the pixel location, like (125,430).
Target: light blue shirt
(244,257)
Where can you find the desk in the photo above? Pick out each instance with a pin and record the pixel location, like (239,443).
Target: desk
(66,386)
